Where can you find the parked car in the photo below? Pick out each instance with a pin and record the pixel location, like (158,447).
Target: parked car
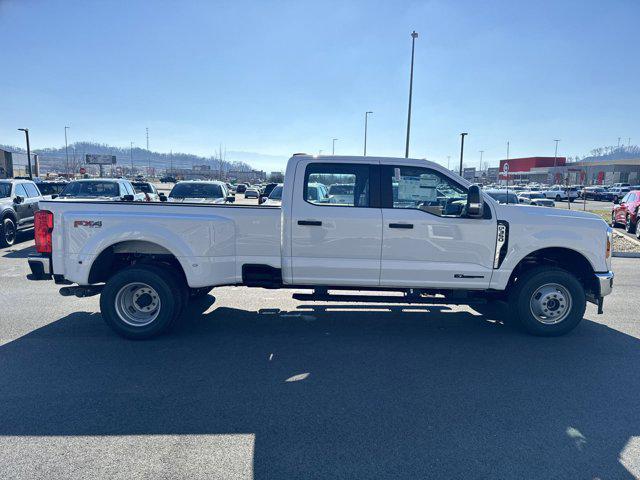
(506,197)
(51,187)
(19,201)
(199,191)
(625,212)
(275,197)
(594,193)
(252,192)
(102,189)
(241,188)
(149,191)
(560,193)
(614,194)
(168,179)
(268,188)
(535,198)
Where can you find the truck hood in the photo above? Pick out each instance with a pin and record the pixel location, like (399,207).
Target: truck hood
(532,214)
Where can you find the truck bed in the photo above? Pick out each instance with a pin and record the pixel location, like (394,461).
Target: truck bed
(211,242)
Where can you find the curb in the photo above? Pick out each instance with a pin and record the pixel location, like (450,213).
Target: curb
(626,254)
(627,236)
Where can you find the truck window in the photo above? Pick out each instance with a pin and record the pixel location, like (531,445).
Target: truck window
(20,191)
(422,189)
(337,184)
(31,189)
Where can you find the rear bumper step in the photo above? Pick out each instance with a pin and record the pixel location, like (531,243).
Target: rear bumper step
(40,266)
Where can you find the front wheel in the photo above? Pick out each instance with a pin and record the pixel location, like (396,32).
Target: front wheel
(7,232)
(548,301)
(558,198)
(140,302)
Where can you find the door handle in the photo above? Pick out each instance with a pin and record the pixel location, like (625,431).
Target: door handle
(310,223)
(401,225)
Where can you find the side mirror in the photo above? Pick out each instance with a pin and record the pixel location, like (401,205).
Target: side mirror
(231,199)
(18,200)
(475,204)
(127,198)
(162,197)
(54,196)
(262,199)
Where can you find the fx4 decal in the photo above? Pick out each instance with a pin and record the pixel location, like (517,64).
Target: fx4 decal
(87,223)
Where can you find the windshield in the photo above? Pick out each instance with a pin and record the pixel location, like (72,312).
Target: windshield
(5,189)
(276,193)
(142,188)
(91,189)
(196,190)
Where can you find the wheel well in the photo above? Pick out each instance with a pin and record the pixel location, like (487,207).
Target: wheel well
(9,213)
(564,258)
(132,252)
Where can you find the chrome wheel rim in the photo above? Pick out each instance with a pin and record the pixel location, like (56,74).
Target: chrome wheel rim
(9,232)
(551,303)
(137,304)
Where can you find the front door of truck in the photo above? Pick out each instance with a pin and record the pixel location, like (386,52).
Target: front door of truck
(336,224)
(426,240)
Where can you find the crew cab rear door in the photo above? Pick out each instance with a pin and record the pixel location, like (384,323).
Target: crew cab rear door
(425,240)
(336,241)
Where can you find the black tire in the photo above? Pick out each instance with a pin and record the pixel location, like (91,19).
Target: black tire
(8,232)
(527,291)
(199,292)
(629,226)
(558,198)
(161,282)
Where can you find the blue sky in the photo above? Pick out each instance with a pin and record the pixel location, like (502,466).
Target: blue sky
(284,77)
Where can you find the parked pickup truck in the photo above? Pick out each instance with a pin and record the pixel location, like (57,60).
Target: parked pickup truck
(407,225)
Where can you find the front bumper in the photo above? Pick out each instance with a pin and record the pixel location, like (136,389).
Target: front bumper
(605,283)
(40,266)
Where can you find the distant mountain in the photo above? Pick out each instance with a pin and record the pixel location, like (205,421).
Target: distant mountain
(54,159)
(610,153)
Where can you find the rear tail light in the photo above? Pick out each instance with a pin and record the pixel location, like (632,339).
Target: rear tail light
(43,227)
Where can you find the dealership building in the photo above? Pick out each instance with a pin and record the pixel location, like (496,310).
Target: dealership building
(552,170)
(14,164)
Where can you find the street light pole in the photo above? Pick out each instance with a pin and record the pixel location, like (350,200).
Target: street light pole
(131,157)
(448,161)
(366,118)
(66,151)
(414,35)
(462,135)
(26,134)
(555,160)
(333,148)
(481,153)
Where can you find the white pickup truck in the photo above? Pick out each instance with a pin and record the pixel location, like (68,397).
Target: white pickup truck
(407,225)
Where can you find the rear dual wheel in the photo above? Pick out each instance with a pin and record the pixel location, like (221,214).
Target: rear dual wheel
(143,301)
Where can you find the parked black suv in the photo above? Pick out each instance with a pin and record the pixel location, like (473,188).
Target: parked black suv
(18,204)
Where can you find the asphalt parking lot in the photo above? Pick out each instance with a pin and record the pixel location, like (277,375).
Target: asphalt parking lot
(253,384)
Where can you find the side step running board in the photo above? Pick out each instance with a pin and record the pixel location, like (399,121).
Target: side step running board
(431,300)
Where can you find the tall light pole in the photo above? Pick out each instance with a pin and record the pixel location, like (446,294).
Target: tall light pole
(26,134)
(462,135)
(131,157)
(619,138)
(448,161)
(333,148)
(66,151)
(481,153)
(366,118)
(414,35)
(555,160)
(148,154)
